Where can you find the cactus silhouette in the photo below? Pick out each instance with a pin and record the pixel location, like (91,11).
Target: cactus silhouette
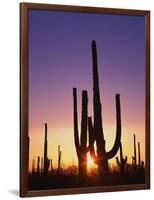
(142,165)
(59,160)
(33,166)
(96,129)
(38,165)
(46,160)
(134,157)
(139,155)
(42,165)
(122,161)
(81,146)
(51,166)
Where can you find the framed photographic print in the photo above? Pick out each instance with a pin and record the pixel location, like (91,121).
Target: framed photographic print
(85,99)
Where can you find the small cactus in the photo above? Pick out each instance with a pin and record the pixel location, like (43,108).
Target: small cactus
(46,160)
(51,166)
(134,157)
(38,165)
(139,156)
(59,160)
(42,167)
(33,166)
(122,162)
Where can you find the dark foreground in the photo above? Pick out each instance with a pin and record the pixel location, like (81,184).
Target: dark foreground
(41,182)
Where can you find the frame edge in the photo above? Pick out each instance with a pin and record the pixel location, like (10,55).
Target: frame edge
(24,97)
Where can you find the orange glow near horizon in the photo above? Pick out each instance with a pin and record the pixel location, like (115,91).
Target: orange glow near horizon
(69,156)
(90,162)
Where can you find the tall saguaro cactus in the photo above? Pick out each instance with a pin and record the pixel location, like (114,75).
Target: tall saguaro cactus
(81,145)
(122,161)
(46,160)
(96,130)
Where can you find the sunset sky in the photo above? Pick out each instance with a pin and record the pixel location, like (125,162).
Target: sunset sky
(60,59)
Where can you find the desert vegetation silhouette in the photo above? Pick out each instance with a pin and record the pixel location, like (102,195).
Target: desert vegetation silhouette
(90,140)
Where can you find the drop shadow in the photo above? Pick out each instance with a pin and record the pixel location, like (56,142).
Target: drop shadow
(14,192)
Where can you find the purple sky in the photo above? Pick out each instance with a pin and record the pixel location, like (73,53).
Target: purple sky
(60,59)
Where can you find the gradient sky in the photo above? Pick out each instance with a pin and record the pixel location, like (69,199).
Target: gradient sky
(60,59)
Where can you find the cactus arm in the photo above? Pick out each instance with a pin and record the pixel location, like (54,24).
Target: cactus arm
(118,162)
(76,134)
(116,145)
(81,144)
(88,148)
(125,160)
(121,161)
(91,136)
(91,140)
(83,135)
(121,153)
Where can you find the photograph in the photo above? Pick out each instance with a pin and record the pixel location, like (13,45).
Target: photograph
(86,97)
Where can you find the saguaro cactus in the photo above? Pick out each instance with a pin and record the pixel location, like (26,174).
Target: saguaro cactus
(81,146)
(33,166)
(46,160)
(134,157)
(51,166)
(38,165)
(59,160)
(122,162)
(97,129)
(139,157)
(42,165)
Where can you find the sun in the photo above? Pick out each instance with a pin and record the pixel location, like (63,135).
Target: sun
(90,162)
